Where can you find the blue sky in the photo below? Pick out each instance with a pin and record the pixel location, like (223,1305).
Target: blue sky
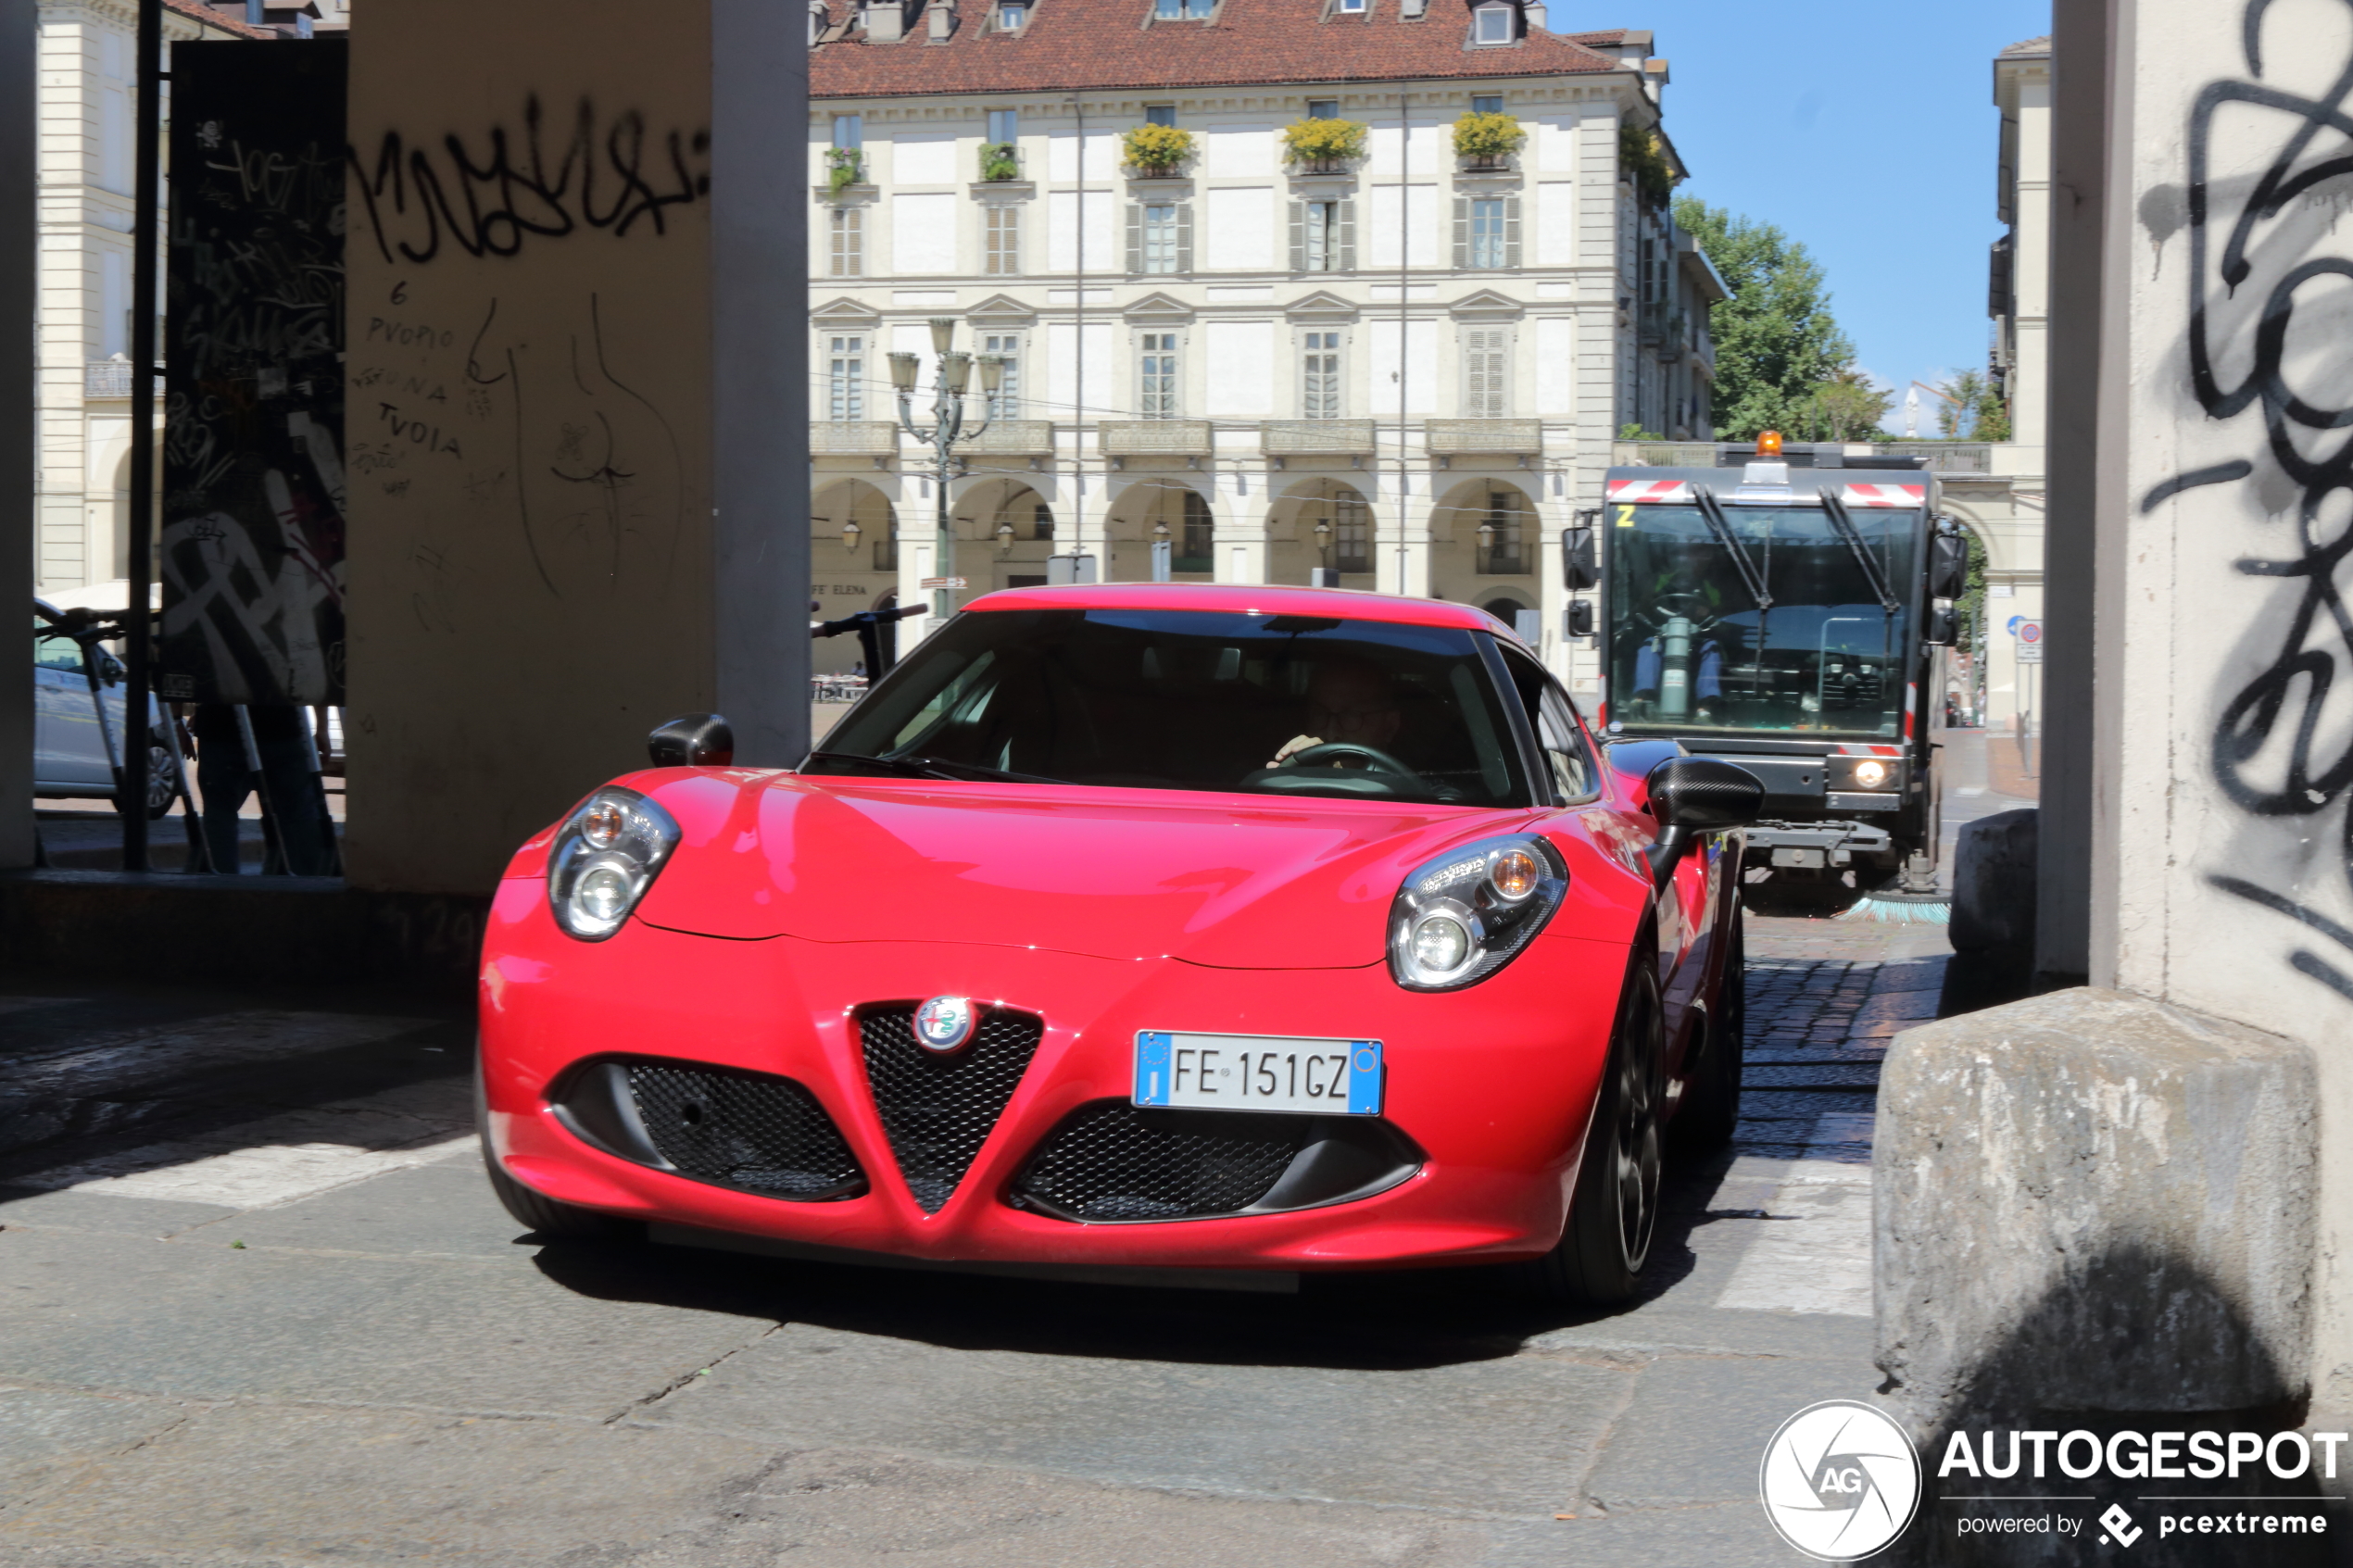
(1866,132)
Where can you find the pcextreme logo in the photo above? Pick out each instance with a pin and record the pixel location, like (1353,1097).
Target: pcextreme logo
(1840,1481)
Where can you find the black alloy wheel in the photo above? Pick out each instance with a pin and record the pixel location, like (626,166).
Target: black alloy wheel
(163,779)
(1614,1211)
(1711,1108)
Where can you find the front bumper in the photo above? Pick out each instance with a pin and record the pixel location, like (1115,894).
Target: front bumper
(1492,1086)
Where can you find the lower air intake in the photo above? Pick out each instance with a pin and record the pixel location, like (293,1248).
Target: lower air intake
(747,1131)
(938,1110)
(1114,1163)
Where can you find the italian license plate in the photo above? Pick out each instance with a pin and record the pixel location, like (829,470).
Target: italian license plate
(1271,1072)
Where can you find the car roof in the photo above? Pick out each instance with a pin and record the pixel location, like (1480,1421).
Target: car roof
(1348,604)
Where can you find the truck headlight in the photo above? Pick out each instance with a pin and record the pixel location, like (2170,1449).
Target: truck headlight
(605,857)
(1871,775)
(1463,916)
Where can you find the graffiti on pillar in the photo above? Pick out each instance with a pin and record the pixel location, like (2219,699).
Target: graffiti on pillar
(253,482)
(2269,181)
(515,181)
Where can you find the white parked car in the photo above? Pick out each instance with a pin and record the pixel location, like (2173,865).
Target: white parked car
(68,749)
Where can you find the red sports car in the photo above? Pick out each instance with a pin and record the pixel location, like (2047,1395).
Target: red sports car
(1137,926)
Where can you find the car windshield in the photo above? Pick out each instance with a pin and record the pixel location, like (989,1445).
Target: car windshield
(1193,700)
(1690,650)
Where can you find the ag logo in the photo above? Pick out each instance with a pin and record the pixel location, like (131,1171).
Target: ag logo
(1840,1480)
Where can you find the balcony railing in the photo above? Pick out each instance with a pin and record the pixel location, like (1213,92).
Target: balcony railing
(1315,438)
(1025,438)
(853,438)
(1154,438)
(106,377)
(1484,437)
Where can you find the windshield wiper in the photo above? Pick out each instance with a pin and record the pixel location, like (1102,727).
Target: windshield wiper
(1854,537)
(1712,510)
(933,768)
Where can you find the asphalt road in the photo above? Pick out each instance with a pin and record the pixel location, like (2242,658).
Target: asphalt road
(258,1306)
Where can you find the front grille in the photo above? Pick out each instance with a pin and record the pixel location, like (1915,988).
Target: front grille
(745,1130)
(1117,1162)
(938,1110)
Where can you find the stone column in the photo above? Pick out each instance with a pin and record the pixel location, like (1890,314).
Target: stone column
(577,410)
(18,247)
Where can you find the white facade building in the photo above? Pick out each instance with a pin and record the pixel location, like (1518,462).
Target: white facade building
(1407,366)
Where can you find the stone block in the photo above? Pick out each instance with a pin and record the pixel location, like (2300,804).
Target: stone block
(2093,1201)
(1994,882)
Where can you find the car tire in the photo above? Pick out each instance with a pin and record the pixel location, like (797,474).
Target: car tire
(163,780)
(1613,1214)
(545,1215)
(1711,1107)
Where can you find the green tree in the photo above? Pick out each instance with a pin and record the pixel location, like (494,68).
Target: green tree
(1970,408)
(1847,407)
(1776,342)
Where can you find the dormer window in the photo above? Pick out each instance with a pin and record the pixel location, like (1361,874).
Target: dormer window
(1348,8)
(1182,10)
(1010,15)
(1492,24)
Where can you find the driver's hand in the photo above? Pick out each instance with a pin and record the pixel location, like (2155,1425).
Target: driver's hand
(1293,747)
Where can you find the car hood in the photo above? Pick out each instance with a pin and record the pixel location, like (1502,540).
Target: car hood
(1117,873)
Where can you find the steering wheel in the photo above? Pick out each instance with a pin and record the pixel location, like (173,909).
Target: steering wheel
(1323,755)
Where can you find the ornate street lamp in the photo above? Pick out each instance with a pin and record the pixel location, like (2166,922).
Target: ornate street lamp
(953,374)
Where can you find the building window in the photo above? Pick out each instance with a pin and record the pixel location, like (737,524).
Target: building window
(1041,522)
(846,254)
(1492,24)
(1159,237)
(849,130)
(1010,15)
(1487,102)
(1002,232)
(1158,387)
(1006,405)
(1351,534)
(1197,546)
(846,379)
(1487,231)
(1501,538)
(1319,377)
(887,548)
(1319,216)
(1323,108)
(1162,114)
(1348,8)
(1485,389)
(1004,126)
(1182,10)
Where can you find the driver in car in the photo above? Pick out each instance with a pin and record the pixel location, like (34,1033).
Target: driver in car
(1349,699)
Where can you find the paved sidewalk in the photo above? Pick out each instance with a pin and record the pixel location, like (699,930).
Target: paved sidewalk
(258,1309)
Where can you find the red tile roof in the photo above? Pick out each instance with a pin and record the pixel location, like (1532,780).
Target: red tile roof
(196,11)
(1105,45)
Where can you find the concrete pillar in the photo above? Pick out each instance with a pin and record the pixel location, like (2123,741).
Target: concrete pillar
(1400,531)
(18,247)
(578,393)
(1241,526)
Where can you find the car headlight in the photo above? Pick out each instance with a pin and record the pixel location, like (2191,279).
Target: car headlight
(1459,918)
(604,857)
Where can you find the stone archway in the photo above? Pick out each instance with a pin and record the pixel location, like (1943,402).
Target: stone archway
(1005,531)
(1487,544)
(1145,505)
(849,572)
(1320,521)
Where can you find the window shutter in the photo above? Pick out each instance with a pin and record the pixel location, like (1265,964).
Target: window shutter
(1299,236)
(1344,244)
(1134,237)
(1511,232)
(1185,237)
(1462,234)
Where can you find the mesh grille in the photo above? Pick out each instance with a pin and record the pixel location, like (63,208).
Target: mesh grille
(1117,1162)
(939,1110)
(767,1135)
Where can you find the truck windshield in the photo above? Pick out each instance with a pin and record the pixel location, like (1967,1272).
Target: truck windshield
(1689,648)
(1287,705)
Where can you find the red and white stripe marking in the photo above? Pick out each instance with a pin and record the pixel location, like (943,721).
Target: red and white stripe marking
(1859,749)
(1650,492)
(1885,494)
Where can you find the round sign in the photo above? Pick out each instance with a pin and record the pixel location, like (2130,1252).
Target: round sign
(944,1024)
(2015,623)
(2030,632)
(1841,1480)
